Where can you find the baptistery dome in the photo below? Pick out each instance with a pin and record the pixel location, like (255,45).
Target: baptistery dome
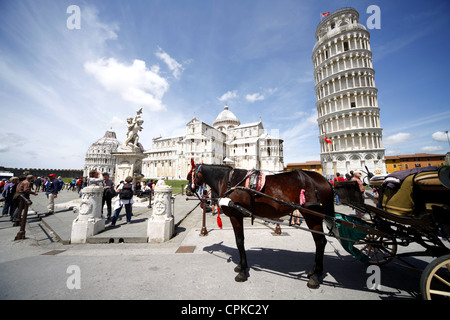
(98,155)
(226,120)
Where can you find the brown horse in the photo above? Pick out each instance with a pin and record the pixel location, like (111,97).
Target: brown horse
(236,203)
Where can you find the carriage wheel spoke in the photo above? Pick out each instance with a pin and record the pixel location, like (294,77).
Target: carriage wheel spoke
(441,293)
(442,279)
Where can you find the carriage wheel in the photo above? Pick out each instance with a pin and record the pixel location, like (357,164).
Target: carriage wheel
(380,250)
(435,280)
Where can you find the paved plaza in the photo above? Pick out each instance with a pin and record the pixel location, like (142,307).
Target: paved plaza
(119,264)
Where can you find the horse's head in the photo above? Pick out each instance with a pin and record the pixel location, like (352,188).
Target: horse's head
(195,176)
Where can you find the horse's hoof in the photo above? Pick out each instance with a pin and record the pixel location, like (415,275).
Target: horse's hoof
(241,277)
(238,268)
(313,282)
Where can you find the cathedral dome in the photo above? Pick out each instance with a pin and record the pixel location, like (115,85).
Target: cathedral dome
(226,119)
(108,141)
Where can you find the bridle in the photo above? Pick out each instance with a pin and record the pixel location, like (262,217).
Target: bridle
(193,186)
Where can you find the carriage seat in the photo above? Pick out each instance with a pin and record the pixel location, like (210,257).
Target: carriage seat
(417,194)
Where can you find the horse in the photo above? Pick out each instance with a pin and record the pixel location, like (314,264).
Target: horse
(238,202)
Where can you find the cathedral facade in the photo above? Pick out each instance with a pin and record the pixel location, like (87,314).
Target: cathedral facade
(226,142)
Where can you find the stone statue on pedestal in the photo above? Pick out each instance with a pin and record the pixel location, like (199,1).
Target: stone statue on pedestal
(129,155)
(134,126)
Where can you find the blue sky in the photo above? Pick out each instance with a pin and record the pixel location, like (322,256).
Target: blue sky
(61,88)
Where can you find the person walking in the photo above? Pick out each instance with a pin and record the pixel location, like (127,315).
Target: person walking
(108,193)
(125,198)
(52,193)
(37,184)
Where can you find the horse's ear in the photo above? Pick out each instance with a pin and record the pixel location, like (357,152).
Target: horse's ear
(192,163)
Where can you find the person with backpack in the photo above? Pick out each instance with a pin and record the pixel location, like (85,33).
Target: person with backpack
(125,198)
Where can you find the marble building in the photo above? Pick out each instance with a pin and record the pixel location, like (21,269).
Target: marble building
(347,105)
(99,157)
(227,141)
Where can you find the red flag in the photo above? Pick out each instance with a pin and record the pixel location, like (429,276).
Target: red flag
(219,221)
(326,14)
(327,140)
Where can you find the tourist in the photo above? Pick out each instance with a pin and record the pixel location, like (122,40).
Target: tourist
(44,185)
(23,188)
(108,193)
(296,217)
(147,189)
(357,177)
(79,184)
(95,179)
(52,193)
(125,198)
(137,188)
(37,184)
(8,194)
(349,176)
(3,184)
(72,184)
(60,184)
(339,179)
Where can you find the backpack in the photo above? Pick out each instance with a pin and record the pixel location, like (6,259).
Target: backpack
(127,192)
(109,193)
(9,193)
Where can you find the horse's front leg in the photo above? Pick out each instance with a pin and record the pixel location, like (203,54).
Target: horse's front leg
(238,227)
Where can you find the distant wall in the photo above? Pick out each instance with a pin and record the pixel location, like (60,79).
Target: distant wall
(64,173)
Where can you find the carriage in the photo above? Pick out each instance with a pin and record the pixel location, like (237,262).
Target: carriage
(412,209)
(418,211)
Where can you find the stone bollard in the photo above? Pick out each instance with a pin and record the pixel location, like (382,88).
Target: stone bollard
(160,227)
(89,221)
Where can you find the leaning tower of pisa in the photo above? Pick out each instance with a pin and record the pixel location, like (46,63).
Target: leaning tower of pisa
(347,106)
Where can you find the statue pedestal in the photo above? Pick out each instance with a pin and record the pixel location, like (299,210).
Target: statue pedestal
(160,227)
(129,163)
(89,221)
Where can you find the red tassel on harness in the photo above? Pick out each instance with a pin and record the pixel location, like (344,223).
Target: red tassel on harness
(219,221)
(302,197)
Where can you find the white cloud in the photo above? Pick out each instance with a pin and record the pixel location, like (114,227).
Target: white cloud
(254,97)
(440,136)
(400,137)
(173,65)
(135,83)
(228,96)
(431,148)
(306,126)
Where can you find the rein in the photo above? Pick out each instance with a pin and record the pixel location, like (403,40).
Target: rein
(298,206)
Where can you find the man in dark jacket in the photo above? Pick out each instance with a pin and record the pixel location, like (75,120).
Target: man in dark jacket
(52,193)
